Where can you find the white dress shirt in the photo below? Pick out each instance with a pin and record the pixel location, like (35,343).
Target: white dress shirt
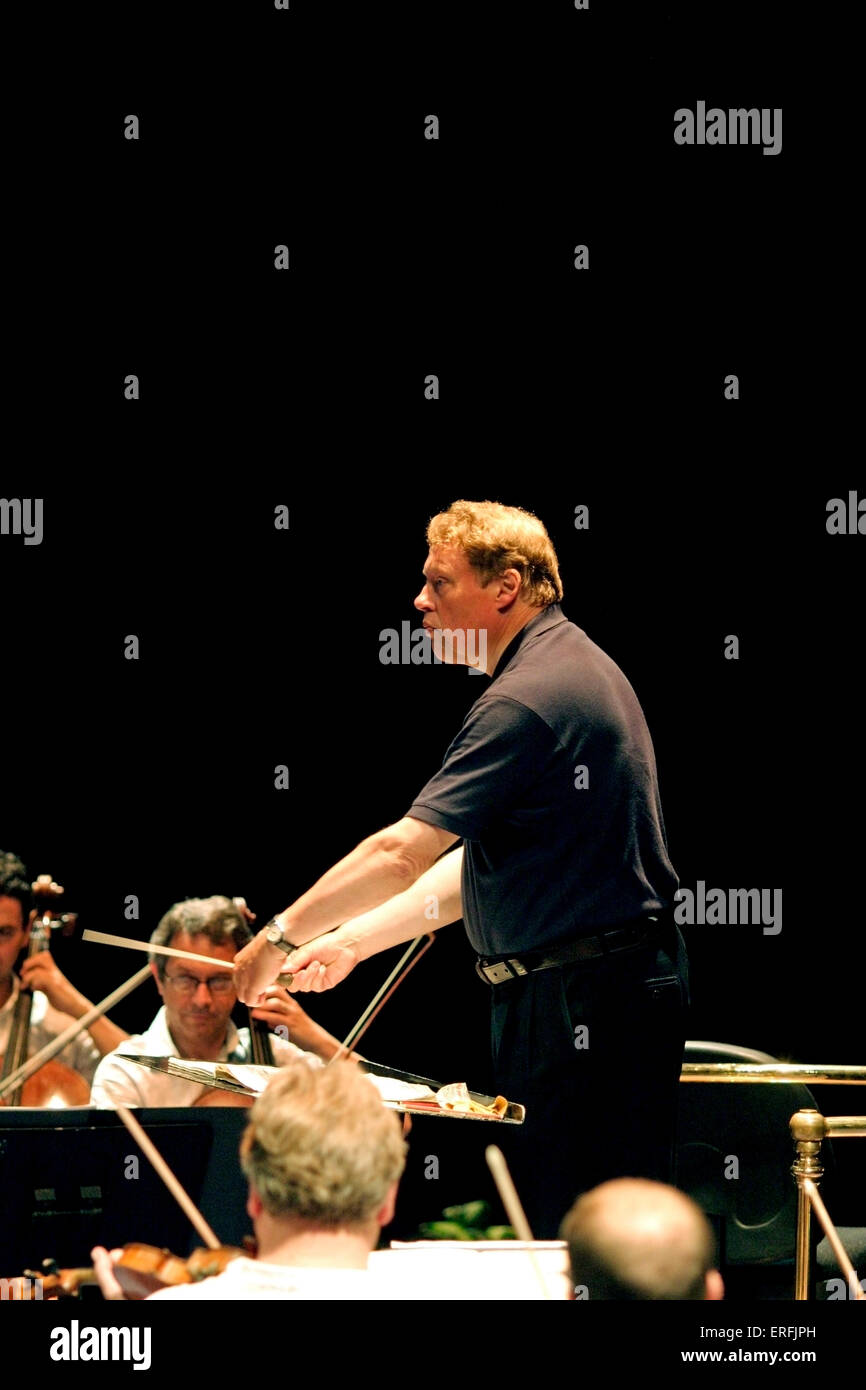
(254,1279)
(121,1082)
(46,1023)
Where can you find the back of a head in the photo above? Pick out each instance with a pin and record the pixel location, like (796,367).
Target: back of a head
(321,1147)
(496,538)
(632,1239)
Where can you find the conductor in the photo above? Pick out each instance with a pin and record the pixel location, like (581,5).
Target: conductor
(562,880)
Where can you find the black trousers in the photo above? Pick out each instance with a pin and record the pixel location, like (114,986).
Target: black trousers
(594,1051)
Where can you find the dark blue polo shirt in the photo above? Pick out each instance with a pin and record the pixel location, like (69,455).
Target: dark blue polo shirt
(545,861)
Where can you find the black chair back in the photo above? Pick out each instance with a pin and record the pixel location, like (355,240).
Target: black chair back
(734,1156)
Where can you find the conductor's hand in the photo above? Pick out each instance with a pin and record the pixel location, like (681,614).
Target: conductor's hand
(321,964)
(256,967)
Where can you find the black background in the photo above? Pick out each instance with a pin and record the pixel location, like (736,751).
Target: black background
(306,388)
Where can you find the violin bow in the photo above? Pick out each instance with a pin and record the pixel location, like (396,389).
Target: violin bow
(105,939)
(406,963)
(513,1206)
(175,1187)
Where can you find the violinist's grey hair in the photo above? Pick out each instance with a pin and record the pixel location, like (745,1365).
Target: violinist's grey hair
(321,1147)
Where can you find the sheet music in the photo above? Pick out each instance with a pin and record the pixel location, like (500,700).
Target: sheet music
(391,1089)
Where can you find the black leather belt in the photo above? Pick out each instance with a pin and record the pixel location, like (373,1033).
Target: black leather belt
(496,970)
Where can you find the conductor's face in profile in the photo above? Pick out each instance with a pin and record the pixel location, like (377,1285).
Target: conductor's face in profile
(453,600)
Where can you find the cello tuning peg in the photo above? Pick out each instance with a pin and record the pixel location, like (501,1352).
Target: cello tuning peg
(67,923)
(45,884)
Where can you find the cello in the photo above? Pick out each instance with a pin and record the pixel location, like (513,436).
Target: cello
(262,1054)
(54,1085)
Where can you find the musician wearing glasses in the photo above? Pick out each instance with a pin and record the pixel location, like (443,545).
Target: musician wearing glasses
(195,1019)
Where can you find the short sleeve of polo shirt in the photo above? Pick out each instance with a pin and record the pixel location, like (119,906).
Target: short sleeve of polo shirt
(500,751)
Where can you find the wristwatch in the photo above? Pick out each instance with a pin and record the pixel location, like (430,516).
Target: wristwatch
(274,934)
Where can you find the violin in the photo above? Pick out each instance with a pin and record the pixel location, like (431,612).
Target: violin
(54,1085)
(140,1271)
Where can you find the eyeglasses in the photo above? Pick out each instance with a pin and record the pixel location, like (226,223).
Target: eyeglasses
(188,984)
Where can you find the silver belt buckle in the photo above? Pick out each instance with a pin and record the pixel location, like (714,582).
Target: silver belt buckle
(503,970)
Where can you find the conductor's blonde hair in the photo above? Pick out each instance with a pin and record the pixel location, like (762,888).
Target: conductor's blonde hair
(496,538)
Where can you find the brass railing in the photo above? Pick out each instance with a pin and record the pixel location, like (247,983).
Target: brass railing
(770,1072)
(809,1129)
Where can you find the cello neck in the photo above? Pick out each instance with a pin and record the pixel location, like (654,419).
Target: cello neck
(260,1038)
(19,1030)
(17,1043)
(45,892)
(260,1041)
